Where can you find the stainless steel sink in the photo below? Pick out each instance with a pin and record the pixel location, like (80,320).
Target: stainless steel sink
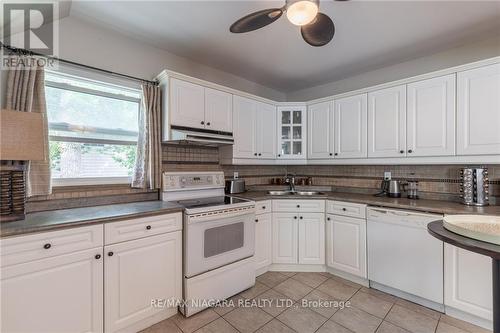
(279,192)
(309,193)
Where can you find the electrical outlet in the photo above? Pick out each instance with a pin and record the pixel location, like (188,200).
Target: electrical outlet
(387,175)
(235,175)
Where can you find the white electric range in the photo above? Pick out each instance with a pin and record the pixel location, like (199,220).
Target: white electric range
(219,238)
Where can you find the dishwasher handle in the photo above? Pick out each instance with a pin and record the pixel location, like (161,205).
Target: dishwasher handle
(401,217)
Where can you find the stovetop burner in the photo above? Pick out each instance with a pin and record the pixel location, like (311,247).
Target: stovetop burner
(211,202)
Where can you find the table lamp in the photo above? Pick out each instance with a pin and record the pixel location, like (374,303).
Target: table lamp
(21,139)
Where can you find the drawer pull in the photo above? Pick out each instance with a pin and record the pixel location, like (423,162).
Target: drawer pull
(344,209)
(256,220)
(328,219)
(263,207)
(47,246)
(148,227)
(301,217)
(298,206)
(295,217)
(97,256)
(110,253)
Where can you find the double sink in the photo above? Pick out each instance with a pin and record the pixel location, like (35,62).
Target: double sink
(302,193)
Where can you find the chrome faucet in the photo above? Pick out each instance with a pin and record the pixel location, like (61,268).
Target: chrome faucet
(290,179)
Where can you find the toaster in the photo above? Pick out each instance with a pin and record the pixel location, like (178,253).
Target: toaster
(235,185)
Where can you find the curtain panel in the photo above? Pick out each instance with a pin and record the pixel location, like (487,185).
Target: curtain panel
(147,170)
(26,93)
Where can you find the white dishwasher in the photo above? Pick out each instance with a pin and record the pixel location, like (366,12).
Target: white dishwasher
(402,255)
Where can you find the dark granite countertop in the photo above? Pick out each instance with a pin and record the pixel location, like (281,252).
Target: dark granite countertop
(431,206)
(66,218)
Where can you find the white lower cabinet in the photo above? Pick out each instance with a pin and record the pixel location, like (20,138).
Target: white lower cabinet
(137,272)
(298,238)
(57,294)
(312,238)
(346,244)
(285,238)
(468,282)
(263,240)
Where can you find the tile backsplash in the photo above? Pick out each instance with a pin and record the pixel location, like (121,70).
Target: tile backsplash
(435,181)
(439,182)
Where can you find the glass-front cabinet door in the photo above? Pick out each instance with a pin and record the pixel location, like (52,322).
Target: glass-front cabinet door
(292,136)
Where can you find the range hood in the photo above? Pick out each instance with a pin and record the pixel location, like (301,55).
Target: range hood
(199,137)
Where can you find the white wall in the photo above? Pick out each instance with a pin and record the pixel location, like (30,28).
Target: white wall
(88,44)
(488,48)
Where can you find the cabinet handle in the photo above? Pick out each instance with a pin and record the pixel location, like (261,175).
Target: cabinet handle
(110,253)
(279,155)
(328,219)
(401,151)
(202,122)
(295,217)
(331,154)
(97,256)
(298,206)
(410,151)
(148,227)
(254,154)
(260,154)
(301,217)
(263,207)
(256,220)
(47,246)
(336,154)
(208,124)
(344,209)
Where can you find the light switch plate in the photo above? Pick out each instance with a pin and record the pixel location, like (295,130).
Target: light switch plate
(387,175)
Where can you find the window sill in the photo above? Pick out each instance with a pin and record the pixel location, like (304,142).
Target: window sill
(63,182)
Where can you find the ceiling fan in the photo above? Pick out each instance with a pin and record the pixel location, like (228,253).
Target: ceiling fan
(317,29)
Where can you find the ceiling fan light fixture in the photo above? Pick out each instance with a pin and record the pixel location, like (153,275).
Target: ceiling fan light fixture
(301,12)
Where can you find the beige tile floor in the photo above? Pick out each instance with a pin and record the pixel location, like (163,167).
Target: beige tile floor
(369,311)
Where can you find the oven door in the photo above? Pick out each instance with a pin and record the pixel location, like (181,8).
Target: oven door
(217,239)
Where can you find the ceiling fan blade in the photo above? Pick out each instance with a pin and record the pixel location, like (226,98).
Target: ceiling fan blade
(256,20)
(319,32)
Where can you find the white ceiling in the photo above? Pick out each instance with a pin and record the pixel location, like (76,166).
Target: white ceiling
(369,35)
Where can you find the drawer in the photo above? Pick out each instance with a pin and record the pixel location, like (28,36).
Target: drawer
(141,227)
(21,249)
(346,209)
(262,207)
(301,206)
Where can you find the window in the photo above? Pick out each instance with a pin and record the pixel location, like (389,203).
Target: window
(93,128)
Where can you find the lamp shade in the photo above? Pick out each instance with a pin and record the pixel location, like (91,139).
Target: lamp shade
(21,136)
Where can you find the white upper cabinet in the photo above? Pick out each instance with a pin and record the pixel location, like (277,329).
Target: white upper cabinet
(266,131)
(350,127)
(254,125)
(244,125)
(431,117)
(291,132)
(193,105)
(218,110)
(387,122)
(478,112)
(187,104)
(320,130)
